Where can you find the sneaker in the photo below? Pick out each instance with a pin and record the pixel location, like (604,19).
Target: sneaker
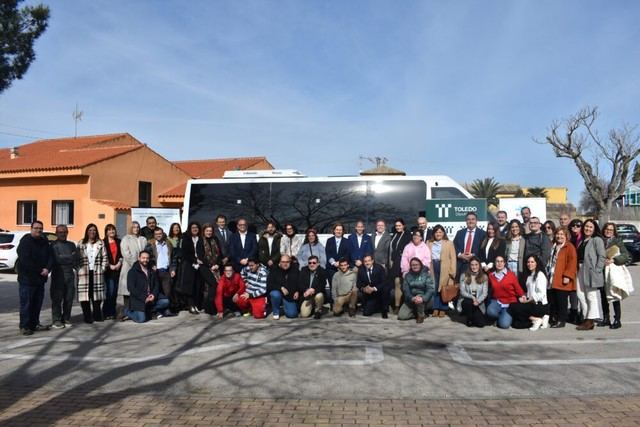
(545,322)
(159,316)
(26,331)
(40,327)
(57,325)
(67,324)
(536,325)
(276,316)
(246,314)
(237,314)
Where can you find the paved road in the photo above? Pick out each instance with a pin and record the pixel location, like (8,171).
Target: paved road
(334,358)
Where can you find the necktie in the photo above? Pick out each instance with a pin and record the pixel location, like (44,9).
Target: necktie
(369,275)
(467,247)
(224,235)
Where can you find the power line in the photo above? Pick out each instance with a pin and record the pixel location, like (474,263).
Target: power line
(29,129)
(19,135)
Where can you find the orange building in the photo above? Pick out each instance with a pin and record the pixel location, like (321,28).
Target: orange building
(77,181)
(95,179)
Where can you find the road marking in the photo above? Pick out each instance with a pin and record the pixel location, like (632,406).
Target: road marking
(459,354)
(374,352)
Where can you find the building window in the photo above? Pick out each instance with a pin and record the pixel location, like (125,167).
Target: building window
(27,212)
(62,212)
(144,194)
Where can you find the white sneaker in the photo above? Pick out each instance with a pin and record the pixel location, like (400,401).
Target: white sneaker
(536,325)
(276,316)
(545,322)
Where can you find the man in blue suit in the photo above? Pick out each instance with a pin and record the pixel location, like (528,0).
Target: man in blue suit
(361,245)
(243,245)
(338,247)
(467,242)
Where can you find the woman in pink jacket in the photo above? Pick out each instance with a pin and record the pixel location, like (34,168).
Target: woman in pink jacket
(416,249)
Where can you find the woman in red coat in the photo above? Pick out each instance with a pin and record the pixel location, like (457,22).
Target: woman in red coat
(505,292)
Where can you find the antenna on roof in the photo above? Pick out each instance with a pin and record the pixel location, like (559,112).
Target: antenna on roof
(378,161)
(77,116)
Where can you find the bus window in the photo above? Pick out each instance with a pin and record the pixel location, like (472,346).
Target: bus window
(447,193)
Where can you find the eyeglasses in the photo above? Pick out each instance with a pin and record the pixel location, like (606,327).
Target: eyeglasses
(576,226)
(312,262)
(285,262)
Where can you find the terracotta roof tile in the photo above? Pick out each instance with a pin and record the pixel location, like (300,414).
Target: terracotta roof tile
(211,169)
(215,168)
(121,206)
(66,153)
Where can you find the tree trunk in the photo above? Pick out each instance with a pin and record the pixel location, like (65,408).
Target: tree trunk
(605,213)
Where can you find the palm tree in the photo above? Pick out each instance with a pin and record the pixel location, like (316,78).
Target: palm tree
(537,192)
(487,188)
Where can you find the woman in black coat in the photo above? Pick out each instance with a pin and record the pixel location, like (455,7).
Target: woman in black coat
(400,239)
(190,283)
(492,246)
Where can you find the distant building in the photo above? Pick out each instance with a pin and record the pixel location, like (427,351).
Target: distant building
(631,196)
(555,195)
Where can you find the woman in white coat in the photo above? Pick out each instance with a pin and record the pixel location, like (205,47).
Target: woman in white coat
(131,246)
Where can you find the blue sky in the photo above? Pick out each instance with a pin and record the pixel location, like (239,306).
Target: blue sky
(452,87)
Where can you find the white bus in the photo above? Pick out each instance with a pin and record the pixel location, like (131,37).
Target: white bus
(319,202)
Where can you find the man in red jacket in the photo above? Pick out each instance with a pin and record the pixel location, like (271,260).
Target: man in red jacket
(229,293)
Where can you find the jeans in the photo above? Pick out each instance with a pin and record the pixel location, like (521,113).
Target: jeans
(141,316)
(31,298)
(496,311)
(63,291)
(290,307)
(437,301)
(111,294)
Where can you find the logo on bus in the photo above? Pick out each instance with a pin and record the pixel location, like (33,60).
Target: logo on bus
(443,209)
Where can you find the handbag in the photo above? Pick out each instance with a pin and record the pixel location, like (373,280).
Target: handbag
(449,291)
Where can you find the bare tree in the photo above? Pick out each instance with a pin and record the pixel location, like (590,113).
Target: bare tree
(577,139)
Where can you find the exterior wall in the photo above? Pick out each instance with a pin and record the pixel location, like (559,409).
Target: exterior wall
(117,178)
(554,194)
(44,191)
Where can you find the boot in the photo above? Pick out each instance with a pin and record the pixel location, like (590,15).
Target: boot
(436,313)
(420,319)
(616,324)
(86,311)
(573,316)
(587,325)
(604,322)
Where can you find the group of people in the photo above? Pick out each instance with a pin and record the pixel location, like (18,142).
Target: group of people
(516,274)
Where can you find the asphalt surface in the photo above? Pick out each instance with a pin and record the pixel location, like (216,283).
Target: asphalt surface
(331,358)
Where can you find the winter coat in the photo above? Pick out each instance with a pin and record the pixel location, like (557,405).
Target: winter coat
(131,246)
(99,266)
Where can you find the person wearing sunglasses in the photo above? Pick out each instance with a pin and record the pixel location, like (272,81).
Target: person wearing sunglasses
(313,280)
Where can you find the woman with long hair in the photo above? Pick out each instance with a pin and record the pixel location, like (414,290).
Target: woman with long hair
(515,247)
(549,229)
(562,270)
(190,283)
(506,293)
(492,246)
(617,254)
(208,251)
(113,253)
(311,246)
(93,262)
(533,312)
(591,259)
(290,243)
(174,237)
(443,266)
(575,237)
(401,238)
(474,290)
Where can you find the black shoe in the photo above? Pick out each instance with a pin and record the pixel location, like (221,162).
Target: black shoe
(352,312)
(88,320)
(385,315)
(25,331)
(616,325)
(603,323)
(39,327)
(559,325)
(317,314)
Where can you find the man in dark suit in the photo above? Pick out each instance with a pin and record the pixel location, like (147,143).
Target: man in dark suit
(423,227)
(224,235)
(269,246)
(337,248)
(313,280)
(381,244)
(242,246)
(467,242)
(360,245)
(372,284)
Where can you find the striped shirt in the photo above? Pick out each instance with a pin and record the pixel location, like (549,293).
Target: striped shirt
(256,282)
